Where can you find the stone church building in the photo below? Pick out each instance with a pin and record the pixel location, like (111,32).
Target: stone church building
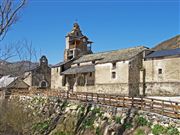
(132,71)
(40,76)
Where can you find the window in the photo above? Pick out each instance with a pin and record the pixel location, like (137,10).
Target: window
(113,75)
(57,70)
(93,62)
(77,34)
(159,71)
(113,65)
(90,74)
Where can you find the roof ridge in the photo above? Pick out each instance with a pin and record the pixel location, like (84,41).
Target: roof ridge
(114,50)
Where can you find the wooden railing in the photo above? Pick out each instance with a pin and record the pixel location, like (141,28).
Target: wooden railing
(163,107)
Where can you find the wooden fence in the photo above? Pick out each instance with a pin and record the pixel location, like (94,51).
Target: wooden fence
(163,107)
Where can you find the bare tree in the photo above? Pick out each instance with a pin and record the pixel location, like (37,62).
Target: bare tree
(9,10)
(23,51)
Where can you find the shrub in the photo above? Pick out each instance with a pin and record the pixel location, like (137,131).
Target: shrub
(98,131)
(128,125)
(88,122)
(158,129)
(41,126)
(139,132)
(141,121)
(62,133)
(172,131)
(118,119)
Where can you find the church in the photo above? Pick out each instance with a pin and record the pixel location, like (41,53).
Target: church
(135,71)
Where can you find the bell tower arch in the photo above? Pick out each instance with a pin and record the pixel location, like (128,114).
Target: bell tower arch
(76,44)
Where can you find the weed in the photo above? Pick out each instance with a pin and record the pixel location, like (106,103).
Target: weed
(139,132)
(158,129)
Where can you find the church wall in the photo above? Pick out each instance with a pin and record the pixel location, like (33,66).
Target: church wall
(41,74)
(166,83)
(103,73)
(56,78)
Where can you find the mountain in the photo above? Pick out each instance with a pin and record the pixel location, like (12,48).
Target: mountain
(16,68)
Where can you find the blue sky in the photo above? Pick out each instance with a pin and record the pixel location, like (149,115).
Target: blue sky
(110,24)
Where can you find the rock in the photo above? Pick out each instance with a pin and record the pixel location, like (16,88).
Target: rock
(73,107)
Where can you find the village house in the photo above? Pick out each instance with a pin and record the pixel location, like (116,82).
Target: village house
(132,71)
(12,85)
(161,69)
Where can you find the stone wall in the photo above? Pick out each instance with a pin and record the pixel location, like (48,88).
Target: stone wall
(161,89)
(135,66)
(103,73)
(120,88)
(168,82)
(170,70)
(56,78)
(40,74)
(28,78)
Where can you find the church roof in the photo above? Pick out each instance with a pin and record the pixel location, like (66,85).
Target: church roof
(60,64)
(79,69)
(111,56)
(164,53)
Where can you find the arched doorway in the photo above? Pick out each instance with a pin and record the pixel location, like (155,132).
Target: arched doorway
(43,84)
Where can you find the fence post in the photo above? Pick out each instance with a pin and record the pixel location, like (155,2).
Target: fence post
(162,107)
(104,101)
(86,97)
(132,102)
(176,110)
(123,101)
(97,98)
(152,102)
(109,99)
(141,103)
(92,97)
(117,101)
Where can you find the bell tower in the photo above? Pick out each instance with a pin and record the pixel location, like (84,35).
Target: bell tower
(43,61)
(76,44)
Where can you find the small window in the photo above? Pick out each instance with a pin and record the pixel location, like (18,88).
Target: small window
(90,74)
(93,62)
(57,70)
(113,75)
(78,64)
(77,34)
(159,71)
(113,65)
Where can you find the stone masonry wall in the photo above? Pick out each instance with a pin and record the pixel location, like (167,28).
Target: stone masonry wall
(120,89)
(168,82)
